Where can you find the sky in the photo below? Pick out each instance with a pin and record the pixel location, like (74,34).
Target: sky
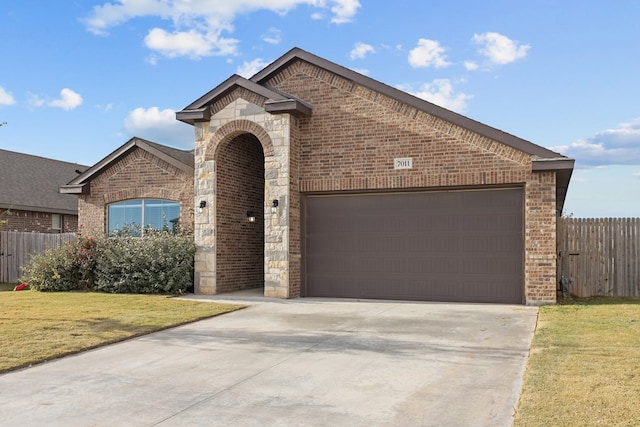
(79,78)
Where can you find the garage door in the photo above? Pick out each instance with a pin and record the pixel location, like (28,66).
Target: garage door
(437,246)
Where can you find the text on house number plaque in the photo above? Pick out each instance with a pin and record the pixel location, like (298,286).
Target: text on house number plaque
(403,163)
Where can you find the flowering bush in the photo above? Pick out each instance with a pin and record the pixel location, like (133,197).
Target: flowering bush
(52,270)
(161,262)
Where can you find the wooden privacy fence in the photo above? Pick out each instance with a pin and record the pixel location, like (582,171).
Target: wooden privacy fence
(17,247)
(599,256)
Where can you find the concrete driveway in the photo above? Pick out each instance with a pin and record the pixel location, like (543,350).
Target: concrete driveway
(303,362)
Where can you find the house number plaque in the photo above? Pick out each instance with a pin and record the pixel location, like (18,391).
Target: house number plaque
(403,163)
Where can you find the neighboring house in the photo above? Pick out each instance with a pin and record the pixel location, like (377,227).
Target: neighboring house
(139,183)
(314,180)
(29,196)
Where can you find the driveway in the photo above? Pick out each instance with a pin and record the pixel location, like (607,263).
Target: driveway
(302,362)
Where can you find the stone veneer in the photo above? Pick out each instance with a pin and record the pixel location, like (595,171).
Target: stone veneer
(272,131)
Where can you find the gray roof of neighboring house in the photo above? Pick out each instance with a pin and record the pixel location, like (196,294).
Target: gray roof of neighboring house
(31,183)
(182,159)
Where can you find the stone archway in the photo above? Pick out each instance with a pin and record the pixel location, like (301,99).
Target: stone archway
(239,190)
(272,134)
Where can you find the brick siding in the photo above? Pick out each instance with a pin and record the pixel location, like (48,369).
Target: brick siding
(139,174)
(350,140)
(240,188)
(37,222)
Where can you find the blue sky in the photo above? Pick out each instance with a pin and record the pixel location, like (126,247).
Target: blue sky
(78,78)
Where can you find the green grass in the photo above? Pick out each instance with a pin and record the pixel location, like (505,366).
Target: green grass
(40,326)
(7,286)
(584,366)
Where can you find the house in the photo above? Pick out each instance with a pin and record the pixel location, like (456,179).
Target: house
(29,197)
(141,182)
(310,179)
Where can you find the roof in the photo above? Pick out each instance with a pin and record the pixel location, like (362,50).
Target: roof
(31,183)
(543,159)
(181,159)
(277,101)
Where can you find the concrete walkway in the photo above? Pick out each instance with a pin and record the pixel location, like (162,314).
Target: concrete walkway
(303,362)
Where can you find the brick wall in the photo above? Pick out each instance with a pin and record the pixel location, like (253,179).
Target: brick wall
(353,135)
(38,222)
(139,174)
(240,188)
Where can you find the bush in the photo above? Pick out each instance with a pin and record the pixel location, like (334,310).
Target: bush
(160,262)
(65,268)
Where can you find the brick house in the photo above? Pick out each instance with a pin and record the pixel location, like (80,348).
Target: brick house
(310,179)
(356,189)
(141,182)
(29,197)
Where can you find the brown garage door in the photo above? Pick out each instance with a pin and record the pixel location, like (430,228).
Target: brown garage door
(437,246)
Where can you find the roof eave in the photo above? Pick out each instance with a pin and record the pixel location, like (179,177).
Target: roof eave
(193,112)
(85,177)
(563,167)
(195,115)
(14,207)
(292,106)
(75,189)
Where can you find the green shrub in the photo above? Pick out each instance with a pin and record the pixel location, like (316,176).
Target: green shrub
(65,268)
(159,262)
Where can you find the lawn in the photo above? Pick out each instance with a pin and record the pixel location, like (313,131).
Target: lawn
(40,326)
(7,286)
(584,366)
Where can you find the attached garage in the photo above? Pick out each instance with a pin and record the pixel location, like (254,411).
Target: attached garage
(429,246)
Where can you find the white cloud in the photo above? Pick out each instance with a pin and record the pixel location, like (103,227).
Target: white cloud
(500,49)
(428,53)
(440,92)
(249,68)
(201,27)
(5,97)
(344,10)
(470,65)
(35,100)
(360,50)
(272,36)
(619,146)
(158,126)
(190,43)
(636,174)
(68,100)
(106,108)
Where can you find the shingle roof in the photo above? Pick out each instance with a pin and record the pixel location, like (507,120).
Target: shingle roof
(30,182)
(182,159)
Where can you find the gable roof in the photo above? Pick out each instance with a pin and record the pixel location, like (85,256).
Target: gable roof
(277,101)
(31,183)
(542,158)
(181,159)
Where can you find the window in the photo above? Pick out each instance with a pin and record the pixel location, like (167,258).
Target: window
(134,216)
(56,223)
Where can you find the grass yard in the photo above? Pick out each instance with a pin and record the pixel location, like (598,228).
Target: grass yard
(584,366)
(40,326)
(7,286)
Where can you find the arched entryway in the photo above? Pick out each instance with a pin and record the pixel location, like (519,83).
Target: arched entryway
(240,182)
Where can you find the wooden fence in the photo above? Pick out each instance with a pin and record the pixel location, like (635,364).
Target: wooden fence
(599,256)
(17,247)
